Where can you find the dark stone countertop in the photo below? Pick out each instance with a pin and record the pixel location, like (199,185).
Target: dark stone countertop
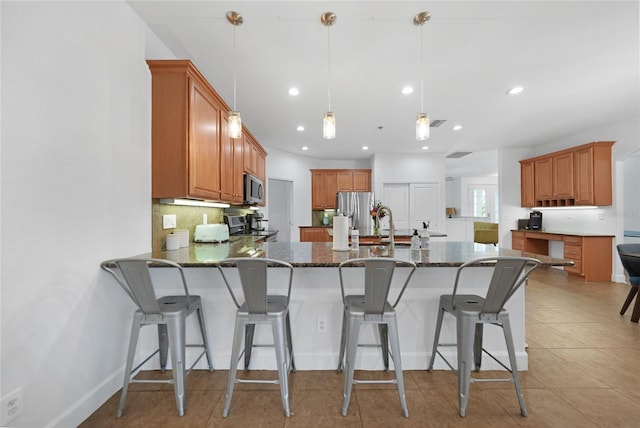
(320,254)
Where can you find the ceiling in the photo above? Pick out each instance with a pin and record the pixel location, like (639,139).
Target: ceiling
(577,61)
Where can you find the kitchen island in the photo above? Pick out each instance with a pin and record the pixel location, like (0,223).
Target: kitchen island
(316,304)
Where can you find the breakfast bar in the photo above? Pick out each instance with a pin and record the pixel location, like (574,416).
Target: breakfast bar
(316,305)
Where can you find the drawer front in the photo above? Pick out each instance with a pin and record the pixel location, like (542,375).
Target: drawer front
(576,268)
(517,243)
(572,240)
(573,252)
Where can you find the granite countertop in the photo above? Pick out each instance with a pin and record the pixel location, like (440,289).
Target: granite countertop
(320,254)
(560,232)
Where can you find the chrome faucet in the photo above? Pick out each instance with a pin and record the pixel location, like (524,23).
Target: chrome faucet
(392,229)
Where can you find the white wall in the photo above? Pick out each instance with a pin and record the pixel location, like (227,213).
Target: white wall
(75,190)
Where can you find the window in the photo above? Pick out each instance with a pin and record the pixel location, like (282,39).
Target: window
(483,201)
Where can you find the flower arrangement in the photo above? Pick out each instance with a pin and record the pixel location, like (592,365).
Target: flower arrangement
(374,210)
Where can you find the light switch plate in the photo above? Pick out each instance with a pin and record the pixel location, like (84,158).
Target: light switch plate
(169,221)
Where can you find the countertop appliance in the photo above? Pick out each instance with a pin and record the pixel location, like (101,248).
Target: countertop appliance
(357,207)
(211,233)
(236,224)
(253,190)
(535,220)
(254,221)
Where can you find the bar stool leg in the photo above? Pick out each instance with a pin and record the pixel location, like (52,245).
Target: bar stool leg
(384,344)
(279,339)
(290,343)
(436,338)
(176,328)
(397,363)
(343,341)
(203,332)
(465,335)
(163,345)
(248,344)
(233,366)
(133,341)
(353,331)
(506,327)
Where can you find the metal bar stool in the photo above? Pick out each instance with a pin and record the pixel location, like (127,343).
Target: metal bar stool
(472,312)
(259,307)
(169,313)
(372,307)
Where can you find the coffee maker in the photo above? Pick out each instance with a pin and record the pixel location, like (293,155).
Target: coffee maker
(255,220)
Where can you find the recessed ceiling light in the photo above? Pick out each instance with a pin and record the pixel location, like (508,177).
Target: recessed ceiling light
(425,147)
(407,90)
(305,148)
(293,91)
(457,127)
(300,128)
(365,147)
(515,90)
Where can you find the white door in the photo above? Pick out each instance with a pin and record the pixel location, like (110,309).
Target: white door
(412,204)
(425,205)
(396,197)
(280,206)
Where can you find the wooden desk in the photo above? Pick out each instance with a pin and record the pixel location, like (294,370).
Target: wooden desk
(591,253)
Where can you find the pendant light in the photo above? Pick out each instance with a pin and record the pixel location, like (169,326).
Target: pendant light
(235,122)
(422,121)
(329,121)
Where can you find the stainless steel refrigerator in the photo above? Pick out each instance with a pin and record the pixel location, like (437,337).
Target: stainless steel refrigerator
(357,206)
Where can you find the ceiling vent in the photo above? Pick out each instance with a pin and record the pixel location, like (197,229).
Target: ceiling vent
(457,155)
(437,122)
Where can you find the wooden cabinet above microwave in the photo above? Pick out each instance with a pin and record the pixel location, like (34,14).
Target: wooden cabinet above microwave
(576,176)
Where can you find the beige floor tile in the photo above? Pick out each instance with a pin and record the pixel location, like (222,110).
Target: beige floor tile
(602,367)
(605,407)
(321,408)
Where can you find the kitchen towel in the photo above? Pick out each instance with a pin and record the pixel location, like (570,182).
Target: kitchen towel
(173,241)
(184,237)
(340,233)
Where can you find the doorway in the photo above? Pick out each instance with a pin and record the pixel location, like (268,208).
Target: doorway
(280,207)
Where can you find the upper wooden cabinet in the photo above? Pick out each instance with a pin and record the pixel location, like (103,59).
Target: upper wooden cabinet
(192,154)
(325,183)
(577,176)
(527,178)
(324,186)
(254,156)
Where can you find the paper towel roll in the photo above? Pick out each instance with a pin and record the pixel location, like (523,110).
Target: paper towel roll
(184,237)
(340,233)
(173,241)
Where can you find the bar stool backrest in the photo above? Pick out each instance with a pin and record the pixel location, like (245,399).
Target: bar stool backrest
(134,277)
(254,281)
(378,276)
(630,264)
(508,275)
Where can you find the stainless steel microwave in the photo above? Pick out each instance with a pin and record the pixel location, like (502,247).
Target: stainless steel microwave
(253,190)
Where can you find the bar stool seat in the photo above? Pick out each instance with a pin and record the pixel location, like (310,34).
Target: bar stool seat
(259,307)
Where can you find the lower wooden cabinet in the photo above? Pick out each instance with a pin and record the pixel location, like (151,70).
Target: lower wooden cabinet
(315,234)
(591,255)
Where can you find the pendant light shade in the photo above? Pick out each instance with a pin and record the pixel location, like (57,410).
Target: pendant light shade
(235,122)
(422,127)
(422,121)
(329,121)
(329,126)
(235,125)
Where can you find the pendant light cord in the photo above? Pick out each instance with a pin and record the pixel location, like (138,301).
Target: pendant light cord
(234,68)
(421,71)
(329,66)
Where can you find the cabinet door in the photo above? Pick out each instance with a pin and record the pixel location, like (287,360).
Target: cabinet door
(362,181)
(261,167)
(563,176)
(584,176)
(323,190)
(249,155)
(226,160)
(314,234)
(527,195)
(204,149)
(543,177)
(345,181)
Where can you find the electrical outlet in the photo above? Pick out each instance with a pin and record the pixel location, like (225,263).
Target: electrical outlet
(600,215)
(169,221)
(321,325)
(11,407)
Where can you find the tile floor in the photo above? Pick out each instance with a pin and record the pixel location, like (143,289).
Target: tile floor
(583,372)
